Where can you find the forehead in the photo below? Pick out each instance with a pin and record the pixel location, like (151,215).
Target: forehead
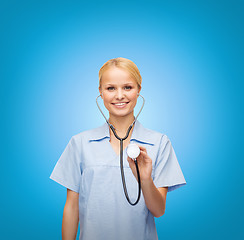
(116,75)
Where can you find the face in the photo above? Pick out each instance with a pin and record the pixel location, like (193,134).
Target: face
(119,92)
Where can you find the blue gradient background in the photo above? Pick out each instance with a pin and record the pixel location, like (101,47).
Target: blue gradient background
(190,55)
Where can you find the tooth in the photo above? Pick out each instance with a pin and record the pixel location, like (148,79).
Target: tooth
(119,104)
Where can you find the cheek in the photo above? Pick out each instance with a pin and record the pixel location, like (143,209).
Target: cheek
(107,98)
(133,96)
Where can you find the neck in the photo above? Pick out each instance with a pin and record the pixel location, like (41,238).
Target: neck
(121,124)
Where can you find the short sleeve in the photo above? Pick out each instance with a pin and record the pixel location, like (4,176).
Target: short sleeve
(67,170)
(167,172)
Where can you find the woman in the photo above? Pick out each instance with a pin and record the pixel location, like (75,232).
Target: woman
(89,167)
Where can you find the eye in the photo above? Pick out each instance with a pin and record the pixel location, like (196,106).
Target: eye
(128,87)
(110,88)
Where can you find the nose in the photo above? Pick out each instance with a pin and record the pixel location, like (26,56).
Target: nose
(119,93)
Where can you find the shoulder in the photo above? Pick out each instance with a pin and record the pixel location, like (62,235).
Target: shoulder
(152,132)
(152,136)
(90,134)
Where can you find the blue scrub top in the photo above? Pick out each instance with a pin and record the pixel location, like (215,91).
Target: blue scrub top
(90,167)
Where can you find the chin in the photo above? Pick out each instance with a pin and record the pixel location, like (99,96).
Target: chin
(116,114)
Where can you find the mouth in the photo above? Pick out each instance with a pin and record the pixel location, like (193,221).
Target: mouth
(120,104)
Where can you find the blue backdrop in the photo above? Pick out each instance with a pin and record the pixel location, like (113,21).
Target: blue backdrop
(190,55)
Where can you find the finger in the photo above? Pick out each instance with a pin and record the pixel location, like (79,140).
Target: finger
(131,163)
(142,148)
(143,151)
(143,156)
(130,160)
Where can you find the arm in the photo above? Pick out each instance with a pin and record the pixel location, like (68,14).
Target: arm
(70,216)
(155,198)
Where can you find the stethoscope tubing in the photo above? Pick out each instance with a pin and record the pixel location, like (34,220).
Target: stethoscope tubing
(121,153)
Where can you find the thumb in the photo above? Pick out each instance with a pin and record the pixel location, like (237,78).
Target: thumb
(130,161)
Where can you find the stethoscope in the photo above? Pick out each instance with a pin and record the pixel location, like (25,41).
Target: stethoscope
(133,151)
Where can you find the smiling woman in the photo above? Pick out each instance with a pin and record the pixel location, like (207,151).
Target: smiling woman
(90,168)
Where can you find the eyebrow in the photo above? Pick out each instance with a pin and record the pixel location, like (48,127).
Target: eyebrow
(108,84)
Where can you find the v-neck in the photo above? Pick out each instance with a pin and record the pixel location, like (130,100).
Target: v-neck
(113,151)
(116,157)
(111,147)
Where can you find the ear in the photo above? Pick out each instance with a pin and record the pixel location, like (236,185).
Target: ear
(139,90)
(100,91)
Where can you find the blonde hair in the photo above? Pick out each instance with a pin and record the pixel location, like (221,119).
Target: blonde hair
(124,64)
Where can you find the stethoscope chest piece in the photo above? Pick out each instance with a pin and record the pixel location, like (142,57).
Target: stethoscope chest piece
(133,151)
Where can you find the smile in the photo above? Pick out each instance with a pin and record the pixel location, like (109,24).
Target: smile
(121,104)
